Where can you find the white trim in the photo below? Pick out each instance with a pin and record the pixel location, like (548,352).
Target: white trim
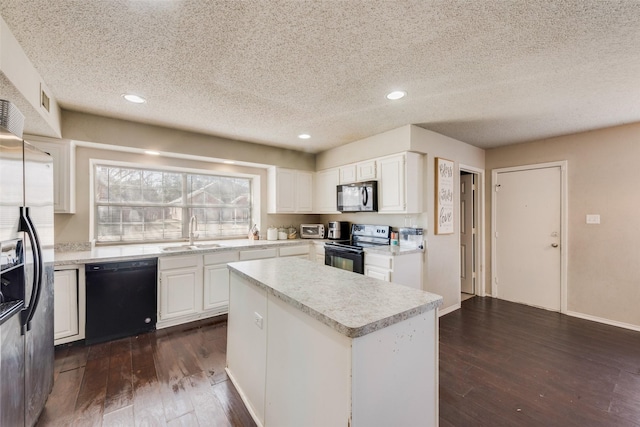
(604,321)
(564,225)
(449,309)
(170,154)
(480,249)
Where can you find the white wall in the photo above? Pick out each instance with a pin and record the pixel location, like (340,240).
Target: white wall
(602,276)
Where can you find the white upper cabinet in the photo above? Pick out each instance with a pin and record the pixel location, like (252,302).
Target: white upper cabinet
(63,153)
(400,183)
(366,171)
(357,172)
(348,174)
(326,191)
(290,191)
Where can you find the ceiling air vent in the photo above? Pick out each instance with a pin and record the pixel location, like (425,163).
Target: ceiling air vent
(44,99)
(11,118)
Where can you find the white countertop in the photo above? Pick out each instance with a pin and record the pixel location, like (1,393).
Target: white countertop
(151,250)
(350,303)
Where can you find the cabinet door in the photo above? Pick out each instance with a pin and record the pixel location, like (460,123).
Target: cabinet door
(326,191)
(63,154)
(216,287)
(377,273)
(180,292)
(348,174)
(391,184)
(304,192)
(366,170)
(285,190)
(65,304)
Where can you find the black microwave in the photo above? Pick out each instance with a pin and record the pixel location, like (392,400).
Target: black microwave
(358,197)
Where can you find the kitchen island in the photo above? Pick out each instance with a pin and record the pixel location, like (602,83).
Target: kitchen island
(314,345)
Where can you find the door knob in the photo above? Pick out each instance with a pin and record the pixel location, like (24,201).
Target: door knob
(554,245)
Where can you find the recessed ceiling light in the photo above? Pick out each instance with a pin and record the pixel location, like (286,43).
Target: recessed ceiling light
(152,153)
(396,94)
(134,98)
(229,162)
(304,136)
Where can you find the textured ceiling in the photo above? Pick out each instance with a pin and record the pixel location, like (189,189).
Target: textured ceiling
(484,72)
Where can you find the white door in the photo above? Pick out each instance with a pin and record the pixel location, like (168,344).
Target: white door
(467,234)
(527,225)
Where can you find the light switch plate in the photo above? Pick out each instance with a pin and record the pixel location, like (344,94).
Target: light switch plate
(593,219)
(257,319)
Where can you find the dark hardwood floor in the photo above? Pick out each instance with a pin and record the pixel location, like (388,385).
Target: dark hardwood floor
(506,364)
(171,377)
(501,364)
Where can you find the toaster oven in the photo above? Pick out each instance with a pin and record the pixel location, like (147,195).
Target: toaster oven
(312,231)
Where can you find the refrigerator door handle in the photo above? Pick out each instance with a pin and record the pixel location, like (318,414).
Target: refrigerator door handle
(26,225)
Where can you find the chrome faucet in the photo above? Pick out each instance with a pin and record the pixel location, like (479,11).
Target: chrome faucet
(193,221)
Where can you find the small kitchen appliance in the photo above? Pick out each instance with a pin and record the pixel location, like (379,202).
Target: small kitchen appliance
(358,197)
(338,230)
(411,238)
(350,256)
(311,231)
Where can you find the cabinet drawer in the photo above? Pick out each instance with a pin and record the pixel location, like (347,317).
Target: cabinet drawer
(167,263)
(294,250)
(382,261)
(221,258)
(258,254)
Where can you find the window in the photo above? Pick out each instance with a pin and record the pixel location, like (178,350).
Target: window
(135,205)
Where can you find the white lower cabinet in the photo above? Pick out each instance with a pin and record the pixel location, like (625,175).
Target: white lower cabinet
(377,273)
(404,269)
(180,286)
(216,281)
(68,305)
(298,251)
(258,254)
(194,287)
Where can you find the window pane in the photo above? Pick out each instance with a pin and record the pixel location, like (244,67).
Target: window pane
(149,205)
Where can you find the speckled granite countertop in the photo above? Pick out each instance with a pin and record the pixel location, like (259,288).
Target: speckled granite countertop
(132,252)
(350,303)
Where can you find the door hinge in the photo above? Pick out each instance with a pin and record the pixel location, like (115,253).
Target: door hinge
(496,234)
(496,280)
(497,187)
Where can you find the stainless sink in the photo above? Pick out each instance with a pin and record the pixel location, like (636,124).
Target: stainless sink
(190,247)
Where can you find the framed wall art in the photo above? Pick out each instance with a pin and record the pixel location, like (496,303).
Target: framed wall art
(444,196)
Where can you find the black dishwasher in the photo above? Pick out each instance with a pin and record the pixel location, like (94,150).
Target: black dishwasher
(121,299)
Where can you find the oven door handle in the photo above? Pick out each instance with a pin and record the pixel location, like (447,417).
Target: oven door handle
(337,250)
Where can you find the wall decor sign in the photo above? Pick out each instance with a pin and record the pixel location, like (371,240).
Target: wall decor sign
(444,196)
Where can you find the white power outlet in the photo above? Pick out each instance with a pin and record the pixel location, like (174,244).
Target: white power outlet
(593,219)
(257,319)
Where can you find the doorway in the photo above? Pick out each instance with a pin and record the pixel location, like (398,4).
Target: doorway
(529,228)
(471,236)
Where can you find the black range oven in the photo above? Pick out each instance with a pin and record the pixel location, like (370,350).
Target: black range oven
(350,256)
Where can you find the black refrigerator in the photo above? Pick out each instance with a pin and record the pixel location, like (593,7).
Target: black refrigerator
(26,274)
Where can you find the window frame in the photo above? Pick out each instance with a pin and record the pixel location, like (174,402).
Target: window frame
(254,201)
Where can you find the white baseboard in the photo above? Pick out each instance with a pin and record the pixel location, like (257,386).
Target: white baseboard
(603,320)
(449,309)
